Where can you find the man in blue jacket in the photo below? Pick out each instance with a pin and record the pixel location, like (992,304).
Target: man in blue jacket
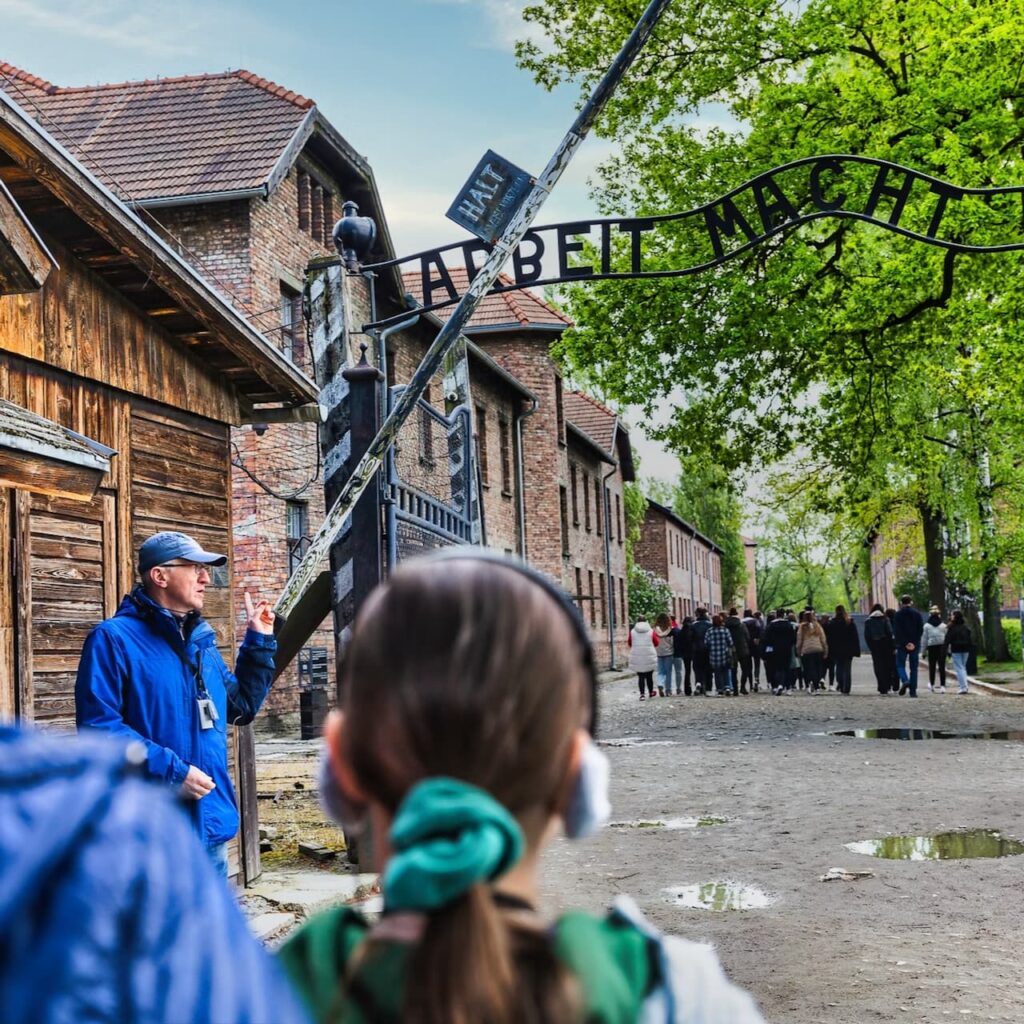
(153,673)
(907,627)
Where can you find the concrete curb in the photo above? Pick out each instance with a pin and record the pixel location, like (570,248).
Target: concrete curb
(992,689)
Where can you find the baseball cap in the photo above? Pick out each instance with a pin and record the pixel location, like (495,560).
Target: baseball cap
(166,546)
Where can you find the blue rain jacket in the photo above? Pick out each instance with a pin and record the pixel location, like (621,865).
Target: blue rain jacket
(110,909)
(139,679)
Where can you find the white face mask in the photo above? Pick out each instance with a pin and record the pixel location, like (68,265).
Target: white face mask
(589,808)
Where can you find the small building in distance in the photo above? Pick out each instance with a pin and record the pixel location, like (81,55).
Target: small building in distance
(678,552)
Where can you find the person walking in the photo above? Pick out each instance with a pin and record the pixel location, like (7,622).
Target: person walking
(933,642)
(460,813)
(741,645)
(829,665)
(682,655)
(779,642)
(720,656)
(701,668)
(152,673)
(843,647)
(811,648)
(878,636)
(664,641)
(907,626)
(755,631)
(959,641)
(643,657)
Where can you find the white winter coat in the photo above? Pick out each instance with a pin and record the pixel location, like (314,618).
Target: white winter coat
(933,636)
(643,656)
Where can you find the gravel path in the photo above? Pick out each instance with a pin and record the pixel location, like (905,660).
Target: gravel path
(918,941)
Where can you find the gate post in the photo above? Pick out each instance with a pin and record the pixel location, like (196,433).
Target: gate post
(364,383)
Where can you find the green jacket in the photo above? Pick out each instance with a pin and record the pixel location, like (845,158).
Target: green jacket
(628,972)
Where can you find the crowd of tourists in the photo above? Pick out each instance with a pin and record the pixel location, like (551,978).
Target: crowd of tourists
(723,654)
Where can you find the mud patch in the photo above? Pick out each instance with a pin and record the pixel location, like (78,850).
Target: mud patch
(941,846)
(671,824)
(718,897)
(635,741)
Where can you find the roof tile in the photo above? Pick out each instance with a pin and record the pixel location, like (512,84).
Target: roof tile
(153,139)
(511,310)
(595,420)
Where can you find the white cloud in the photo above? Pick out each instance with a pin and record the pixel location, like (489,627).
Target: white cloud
(139,27)
(504,19)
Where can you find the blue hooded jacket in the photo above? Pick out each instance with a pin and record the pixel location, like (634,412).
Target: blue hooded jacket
(139,678)
(110,909)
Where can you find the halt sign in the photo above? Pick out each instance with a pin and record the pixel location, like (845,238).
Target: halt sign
(494,192)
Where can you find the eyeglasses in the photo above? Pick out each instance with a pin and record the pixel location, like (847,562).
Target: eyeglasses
(197,567)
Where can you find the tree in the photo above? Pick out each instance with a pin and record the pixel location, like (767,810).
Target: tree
(887,360)
(649,594)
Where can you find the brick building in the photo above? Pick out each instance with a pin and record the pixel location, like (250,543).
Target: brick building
(673,549)
(556,437)
(245,179)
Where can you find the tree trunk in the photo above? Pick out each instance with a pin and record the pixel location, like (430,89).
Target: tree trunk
(995,639)
(934,556)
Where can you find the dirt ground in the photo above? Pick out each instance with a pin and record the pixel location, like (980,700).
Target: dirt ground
(921,941)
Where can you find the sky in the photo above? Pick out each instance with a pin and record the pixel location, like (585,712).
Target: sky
(421,88)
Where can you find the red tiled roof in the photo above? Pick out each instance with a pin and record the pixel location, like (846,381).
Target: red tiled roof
(506,309)
(594,419)
(168,137)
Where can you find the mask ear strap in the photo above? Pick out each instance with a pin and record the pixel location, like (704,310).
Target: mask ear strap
(589,807)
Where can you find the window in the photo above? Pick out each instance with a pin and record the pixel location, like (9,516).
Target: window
(391,367)
(505,448)
(563,506)
(579,589)
(603,598)
(618,518)
(559,410)
(316,205)
(291,324)
(426,428)
(328,238)
(575,496)
(296,532)
(590,592)
(622,599)
(586,502)
(597,506)
(481,445)
(303,188)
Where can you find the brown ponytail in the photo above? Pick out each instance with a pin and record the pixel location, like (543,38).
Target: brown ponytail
(487,685)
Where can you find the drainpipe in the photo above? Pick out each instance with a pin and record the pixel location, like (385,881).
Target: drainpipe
(608,567)
(391,520)
(693,545)
(520,482)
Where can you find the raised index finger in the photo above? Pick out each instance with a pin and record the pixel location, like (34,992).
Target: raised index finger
(249,610)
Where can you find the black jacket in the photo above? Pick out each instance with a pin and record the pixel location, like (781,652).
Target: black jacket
(907,626)
(682,641)
(958,638)
(843,639)
(779,639)
(877,629)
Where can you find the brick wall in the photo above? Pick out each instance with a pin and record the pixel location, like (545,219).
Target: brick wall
(691,567)
(250,250)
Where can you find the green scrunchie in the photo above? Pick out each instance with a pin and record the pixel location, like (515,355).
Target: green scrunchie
(446,837)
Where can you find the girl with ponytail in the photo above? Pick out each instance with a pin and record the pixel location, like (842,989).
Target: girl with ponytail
(463,749)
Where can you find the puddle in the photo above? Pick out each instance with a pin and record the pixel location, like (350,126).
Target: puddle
(941,846)
(671,824)
(636,741)
(926,734)
(718,896)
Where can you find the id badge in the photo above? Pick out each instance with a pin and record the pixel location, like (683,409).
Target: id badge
(207,712)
